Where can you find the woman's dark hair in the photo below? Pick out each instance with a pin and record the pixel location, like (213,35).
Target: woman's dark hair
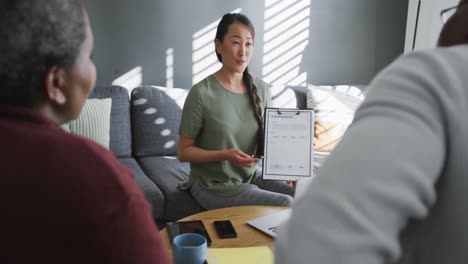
(36,35)
(255,101)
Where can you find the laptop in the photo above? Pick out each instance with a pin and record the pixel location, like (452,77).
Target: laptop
(269,223)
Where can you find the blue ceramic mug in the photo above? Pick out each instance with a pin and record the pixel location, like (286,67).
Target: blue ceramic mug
(189,248)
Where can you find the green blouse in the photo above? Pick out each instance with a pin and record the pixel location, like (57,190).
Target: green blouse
(219,119)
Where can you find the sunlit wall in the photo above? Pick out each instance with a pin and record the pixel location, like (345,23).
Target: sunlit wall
(286,36)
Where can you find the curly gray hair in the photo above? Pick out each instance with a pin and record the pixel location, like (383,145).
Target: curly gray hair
(35,36)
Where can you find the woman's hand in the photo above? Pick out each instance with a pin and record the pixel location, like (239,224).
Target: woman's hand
(240,158)
(292,182)
(188,152)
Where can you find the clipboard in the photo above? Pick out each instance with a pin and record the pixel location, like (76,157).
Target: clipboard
(288,146)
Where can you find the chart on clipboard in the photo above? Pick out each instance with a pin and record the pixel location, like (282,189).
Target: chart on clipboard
(288,153)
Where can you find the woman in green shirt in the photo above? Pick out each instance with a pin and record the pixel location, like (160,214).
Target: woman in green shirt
(222,127)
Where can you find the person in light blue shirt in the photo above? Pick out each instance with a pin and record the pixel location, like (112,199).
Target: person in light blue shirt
(394,188)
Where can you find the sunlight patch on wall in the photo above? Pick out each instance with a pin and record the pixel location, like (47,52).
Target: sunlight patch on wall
(204,61)
(282,97)
(286,35)
(131,79)
(271,2)
(170,68)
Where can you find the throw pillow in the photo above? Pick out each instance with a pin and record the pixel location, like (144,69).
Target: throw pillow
(94,121)
(120,142)
(334,111)
(155,114)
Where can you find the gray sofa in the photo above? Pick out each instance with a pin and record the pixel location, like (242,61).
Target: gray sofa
(144,135)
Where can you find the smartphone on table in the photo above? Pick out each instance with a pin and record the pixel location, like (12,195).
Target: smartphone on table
(194,226)
(225,229)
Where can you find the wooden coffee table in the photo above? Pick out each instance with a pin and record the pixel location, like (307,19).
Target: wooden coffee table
(247,236)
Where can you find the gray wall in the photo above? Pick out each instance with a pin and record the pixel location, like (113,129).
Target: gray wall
(349,40)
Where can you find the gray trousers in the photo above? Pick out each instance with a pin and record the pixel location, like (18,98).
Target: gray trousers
(273,193)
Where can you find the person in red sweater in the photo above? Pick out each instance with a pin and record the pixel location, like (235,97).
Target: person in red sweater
(63,198)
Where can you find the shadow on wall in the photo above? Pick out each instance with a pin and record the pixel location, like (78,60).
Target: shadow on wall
(147,36)
(286,28)
(344,51)
(170,43)
(351,41)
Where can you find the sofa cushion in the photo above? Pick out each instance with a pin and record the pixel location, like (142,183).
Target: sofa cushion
(149,188)
(167,172)
(120,133)
(156,113)
(93,121)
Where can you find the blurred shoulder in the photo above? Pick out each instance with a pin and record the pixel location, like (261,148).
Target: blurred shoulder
(205,83)
(430,68)
(89,153)
(204,87)
(431,79)
(89,164)
(436,59)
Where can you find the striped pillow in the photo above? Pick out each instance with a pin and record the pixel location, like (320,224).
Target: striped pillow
(94,121)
